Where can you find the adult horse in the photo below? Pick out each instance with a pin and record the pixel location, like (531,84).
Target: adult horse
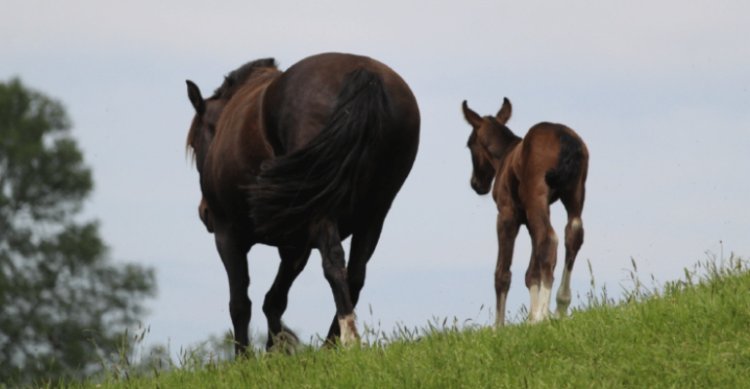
(549,163)
(302,159)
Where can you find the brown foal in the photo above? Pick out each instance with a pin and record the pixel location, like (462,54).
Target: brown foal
(529,174)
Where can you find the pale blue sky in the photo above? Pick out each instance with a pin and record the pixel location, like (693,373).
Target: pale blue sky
(659,90)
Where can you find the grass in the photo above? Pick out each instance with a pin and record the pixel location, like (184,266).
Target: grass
(689,333)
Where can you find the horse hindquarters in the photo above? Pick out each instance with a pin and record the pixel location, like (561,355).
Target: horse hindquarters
(322,180)
(315,190)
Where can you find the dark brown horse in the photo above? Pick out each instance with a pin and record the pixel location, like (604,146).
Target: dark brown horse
(550,163)
(302,159)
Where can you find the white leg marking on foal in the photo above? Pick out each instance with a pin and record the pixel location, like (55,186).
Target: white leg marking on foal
(500,310)
(349,333)
(576,224)
(545,295)
(534,294)
(563,294)
(540,296)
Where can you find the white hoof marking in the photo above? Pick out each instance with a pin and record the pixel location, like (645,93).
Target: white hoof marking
(349,333)
(540,297)
(500,310)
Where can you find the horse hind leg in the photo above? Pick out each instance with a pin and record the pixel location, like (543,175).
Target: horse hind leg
(363,244)
(539,276)
(573,242)
(293,261)
(334,269)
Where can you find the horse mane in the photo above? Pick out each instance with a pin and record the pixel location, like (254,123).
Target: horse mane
(231,83)
(238,76)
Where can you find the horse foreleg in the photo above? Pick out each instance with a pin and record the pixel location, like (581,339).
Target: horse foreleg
(293,261)
(233,250)
(507,230)
(334,269)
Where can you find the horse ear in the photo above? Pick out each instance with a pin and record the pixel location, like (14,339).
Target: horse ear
(194,94)
(505,111)
(472,117)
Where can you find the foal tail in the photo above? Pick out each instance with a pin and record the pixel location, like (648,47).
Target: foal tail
(323,180)
(572,162)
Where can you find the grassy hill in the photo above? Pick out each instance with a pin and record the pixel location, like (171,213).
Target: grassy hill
(690,333)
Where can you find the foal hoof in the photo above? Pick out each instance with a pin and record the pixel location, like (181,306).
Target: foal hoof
(538,318)
(561,313)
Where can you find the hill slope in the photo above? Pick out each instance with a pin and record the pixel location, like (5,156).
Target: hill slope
(692,334)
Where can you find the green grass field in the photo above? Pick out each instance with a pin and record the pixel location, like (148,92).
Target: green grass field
(689,333)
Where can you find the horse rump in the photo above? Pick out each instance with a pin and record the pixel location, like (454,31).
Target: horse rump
(570,162)
(323,179)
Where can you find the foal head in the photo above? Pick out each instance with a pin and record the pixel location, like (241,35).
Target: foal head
(488,142)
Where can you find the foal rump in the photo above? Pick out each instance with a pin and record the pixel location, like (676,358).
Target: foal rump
(570,162)
(324,179)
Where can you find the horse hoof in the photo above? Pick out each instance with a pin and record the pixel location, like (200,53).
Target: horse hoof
(285,342)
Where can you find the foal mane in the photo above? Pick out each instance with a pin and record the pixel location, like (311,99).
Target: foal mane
(505,134)
(238,76)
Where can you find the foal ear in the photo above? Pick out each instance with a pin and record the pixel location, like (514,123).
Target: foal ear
(194,94)
(472,117)
(504,113)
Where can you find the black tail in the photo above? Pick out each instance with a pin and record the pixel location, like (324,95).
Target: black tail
(569,163)
(323,179)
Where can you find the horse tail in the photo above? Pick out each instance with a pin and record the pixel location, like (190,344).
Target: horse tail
(323,180)
(570,163)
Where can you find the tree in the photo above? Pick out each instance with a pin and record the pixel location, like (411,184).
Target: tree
(64,304)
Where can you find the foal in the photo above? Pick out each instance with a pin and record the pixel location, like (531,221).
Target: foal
(550,163)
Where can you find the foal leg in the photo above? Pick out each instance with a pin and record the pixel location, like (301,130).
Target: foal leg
(334,269)
(573,242)
(293,260)
(362,247)
(507,230)
(233,248)
(539,276)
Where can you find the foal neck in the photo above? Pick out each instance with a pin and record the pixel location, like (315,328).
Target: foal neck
(501,143)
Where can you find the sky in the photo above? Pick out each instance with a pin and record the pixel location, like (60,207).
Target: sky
(660,91)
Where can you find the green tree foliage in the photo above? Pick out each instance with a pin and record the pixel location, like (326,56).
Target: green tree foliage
(63,304)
